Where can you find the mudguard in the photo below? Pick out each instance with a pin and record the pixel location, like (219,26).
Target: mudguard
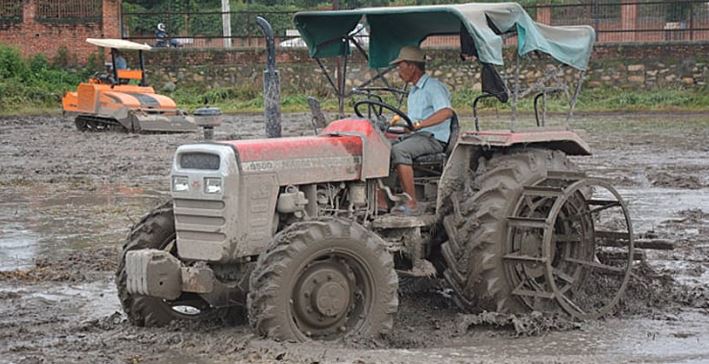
(471,142)
(561,139)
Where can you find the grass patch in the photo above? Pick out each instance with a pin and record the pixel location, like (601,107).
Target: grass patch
(234,100)
(36,85)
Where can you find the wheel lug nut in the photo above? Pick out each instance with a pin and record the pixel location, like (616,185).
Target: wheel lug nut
(342,328)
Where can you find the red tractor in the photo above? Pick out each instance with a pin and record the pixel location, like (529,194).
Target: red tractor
(286,231)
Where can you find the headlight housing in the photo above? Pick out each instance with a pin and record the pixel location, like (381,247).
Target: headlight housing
(212,185)
(180,184)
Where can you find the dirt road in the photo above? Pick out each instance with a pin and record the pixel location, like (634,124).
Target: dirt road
(68,198)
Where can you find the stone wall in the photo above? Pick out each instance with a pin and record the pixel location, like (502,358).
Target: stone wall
(647,65)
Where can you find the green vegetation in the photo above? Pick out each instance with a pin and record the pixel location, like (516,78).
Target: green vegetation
(36,85)
(239,99)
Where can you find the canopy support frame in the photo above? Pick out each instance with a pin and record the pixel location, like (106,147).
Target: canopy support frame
(339,86)
(574,99)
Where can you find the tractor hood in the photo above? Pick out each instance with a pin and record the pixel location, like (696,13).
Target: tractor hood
(348,149)
(137,99)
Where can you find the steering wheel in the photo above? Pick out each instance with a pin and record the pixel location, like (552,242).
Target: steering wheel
(102,78)
(374,104)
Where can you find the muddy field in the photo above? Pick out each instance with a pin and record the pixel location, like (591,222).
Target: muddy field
(68,198)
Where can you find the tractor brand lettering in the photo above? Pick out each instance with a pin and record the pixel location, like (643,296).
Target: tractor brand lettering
(304,163)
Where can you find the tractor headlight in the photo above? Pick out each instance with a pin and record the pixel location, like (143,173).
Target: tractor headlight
(212,185)
(180,184)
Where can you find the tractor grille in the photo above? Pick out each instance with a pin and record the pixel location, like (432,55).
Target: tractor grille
(202,161)
(200,226)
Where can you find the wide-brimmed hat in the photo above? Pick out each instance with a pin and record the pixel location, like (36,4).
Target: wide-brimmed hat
(411,54)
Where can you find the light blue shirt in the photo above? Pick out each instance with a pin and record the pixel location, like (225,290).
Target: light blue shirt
(426,97)
(121,63)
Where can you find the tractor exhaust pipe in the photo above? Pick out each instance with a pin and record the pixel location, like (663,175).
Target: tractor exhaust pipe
(271,83)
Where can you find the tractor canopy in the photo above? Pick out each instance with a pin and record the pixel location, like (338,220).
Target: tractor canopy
(118,44)
(122,45)
(480,25)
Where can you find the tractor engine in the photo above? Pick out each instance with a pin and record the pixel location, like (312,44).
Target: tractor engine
(230,198)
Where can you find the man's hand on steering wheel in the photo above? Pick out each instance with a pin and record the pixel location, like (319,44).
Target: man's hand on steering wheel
(375,104)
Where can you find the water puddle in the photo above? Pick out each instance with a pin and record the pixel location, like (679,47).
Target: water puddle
(650,207)
(672,339)
(17,246)
(681,338)
(86,301)
(37,222)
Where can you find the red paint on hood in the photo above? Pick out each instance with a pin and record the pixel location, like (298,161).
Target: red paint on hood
(331,142)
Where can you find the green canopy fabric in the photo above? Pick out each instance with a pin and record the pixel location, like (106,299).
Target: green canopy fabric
(391,28)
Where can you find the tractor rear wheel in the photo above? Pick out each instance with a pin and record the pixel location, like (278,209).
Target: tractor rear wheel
(156,230)
(477,227)
(323,280)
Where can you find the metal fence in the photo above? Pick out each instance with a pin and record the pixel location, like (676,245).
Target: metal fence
(648,21)
(10,12)
(204,29)
(69,11)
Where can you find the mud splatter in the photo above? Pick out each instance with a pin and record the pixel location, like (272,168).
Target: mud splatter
(77,266)
(63,308)
(664,179)
(531,324)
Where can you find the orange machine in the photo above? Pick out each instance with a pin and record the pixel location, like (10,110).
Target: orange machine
(110,101)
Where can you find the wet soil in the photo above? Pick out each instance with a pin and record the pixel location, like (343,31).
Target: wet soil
(68,198)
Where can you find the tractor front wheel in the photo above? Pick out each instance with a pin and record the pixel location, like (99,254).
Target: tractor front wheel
(156,230)
(323,280)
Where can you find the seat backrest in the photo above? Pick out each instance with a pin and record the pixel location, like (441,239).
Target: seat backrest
(130,74)
(455,130)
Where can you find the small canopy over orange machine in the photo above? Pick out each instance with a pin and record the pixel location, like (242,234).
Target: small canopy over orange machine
(116,45)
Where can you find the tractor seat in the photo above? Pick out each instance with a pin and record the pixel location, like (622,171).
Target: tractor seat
(439,158)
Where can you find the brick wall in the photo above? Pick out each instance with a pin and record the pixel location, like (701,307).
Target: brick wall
(33,36)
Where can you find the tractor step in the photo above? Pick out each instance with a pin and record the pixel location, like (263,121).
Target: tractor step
(402,222)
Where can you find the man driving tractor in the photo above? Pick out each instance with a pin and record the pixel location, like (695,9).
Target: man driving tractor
(429,108)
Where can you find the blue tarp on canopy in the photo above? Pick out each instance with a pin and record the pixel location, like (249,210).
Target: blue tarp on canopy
(391,28)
